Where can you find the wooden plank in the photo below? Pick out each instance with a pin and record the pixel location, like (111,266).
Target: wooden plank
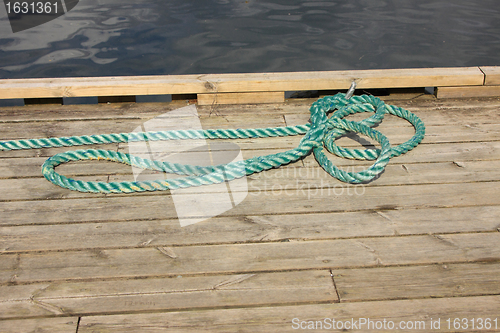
(136,111)
(48,152)
(242,98)
(289,318)
(346,197)
(314,177)
(468,132)
(449,280)
(42,325)
(10,131)
(274,181)
(11,166)
(436,109)
(247,228)
(471,132)
(440,152)
(221,83)
(473,91)
(96,264)
(161,294)
(458,107)
(398,130)
(395,174)
(86,112)
(31,167)
(491,75)
(7,264)
(431,117)
(40,189)
(424,153)
(17,301)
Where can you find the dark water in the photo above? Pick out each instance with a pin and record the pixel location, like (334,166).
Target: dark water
(122,37)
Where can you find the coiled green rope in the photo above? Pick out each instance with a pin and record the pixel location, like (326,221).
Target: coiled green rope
(321,133)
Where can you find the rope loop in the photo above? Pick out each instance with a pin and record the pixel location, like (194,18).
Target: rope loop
(326,125)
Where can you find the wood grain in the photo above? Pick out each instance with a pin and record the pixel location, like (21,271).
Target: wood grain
(280,319)
(29,167)
(223,83)
(249,258)
(241,98)
(472,91)
(50,325)
(300,201)
(167,294)
(440,280)
(248,228)
(491,75)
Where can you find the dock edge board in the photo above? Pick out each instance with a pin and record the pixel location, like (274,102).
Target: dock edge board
(247,83)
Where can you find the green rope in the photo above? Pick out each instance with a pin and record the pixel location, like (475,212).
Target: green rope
(321,133)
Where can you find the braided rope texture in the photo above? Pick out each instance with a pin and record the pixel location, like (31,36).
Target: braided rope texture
(320,134)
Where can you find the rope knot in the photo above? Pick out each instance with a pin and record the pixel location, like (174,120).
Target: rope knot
(326,130)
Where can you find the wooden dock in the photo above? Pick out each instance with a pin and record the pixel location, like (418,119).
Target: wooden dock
(419,244)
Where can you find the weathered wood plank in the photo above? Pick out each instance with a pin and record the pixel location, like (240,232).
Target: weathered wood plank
(11,131)
(472,91)
(17,301)
(436,123)
(146,111)
(350,197)
(194,84)
(7,263)
(49,325)
(314,177)
(433,117)
(98,126)
(157,294)
(40,189)
(242,98)
(30,167)
(250,258)
(277,181)
(281,319)
(424,153)
(492,75)
(287,180)
(449,280)
(480,137)
(248,228)
(438,109)
(160,294)
(343,198)
(48,152)
(471,132)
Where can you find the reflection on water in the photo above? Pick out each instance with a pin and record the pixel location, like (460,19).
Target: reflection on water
(123,37)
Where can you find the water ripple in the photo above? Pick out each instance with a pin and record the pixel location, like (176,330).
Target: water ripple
(220,36)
